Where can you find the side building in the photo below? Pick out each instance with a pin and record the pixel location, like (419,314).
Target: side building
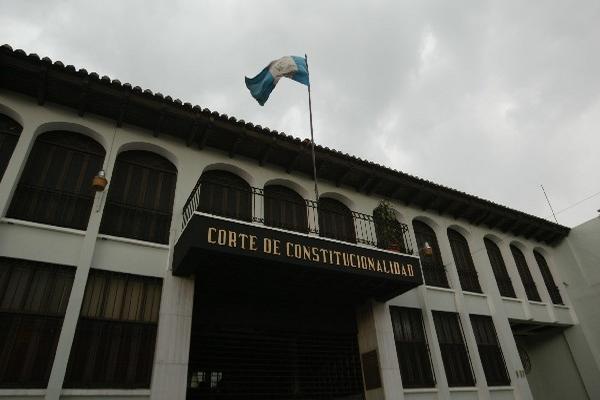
(207,268)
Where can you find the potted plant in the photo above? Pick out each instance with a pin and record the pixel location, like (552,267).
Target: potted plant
(387,228)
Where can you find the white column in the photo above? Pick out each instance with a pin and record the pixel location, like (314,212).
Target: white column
(67,334)
(169,377)
(15,166)
(504,333)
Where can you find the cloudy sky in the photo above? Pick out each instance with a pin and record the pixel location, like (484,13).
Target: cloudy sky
(492,98)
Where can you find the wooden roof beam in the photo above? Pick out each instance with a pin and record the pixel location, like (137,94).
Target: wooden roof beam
(445,207)
(123,109)
(340,179)
(372,188)
(293,162)
(159,122)
(428,201)
(264,156)
(195,128)
(83,97)
(363,186)
(204,135)
(236,142)
(42,85)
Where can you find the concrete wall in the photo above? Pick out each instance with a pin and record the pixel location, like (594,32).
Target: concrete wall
(554,374)
(87,249)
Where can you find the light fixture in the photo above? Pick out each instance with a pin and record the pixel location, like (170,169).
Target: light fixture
(99,181)
(427,250)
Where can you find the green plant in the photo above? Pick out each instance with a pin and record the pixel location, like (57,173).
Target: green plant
(388,229)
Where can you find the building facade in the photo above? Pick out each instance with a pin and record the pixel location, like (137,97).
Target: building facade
(208,269)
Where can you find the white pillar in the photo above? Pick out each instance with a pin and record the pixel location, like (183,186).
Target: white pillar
(169,376)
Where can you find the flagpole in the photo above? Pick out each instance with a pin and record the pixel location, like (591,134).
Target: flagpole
(312,137)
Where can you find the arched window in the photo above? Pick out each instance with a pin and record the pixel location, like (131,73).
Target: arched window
(388,230)
(525,274)
(226,194)
(9,135)
(464,262)
(56,184)
(433,266)
(499,268)
(335,220)
(139,204)
(548,280)
(284,208)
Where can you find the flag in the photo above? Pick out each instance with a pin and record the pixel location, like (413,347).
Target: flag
(262,85)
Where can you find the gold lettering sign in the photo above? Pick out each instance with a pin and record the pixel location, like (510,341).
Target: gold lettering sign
(291,249)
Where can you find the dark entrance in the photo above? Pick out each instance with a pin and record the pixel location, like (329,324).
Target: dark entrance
(262,334)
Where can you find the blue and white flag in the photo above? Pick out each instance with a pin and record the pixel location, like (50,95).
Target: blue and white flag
(262,85)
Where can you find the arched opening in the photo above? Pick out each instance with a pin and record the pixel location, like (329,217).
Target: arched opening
(499,268)
(226,194)
(335,220)
(390,232)
(284,208)
(140,197)
(10,130)
(56,184)
(525,274)
(467,274)
(548,279)
(433,266)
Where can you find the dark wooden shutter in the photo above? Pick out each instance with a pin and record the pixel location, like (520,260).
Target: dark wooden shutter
(140,197)
(284,208)
(489,351)
(433,267)
(9,135)
(226,194)
(335,220)
(56,184)
(464,262)
(525,274)
(116,332)
(412,347)
(499,268)
(454,351)
(33,300)
(548,279)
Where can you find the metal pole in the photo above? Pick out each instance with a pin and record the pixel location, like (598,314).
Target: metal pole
(312,137)
(548,200)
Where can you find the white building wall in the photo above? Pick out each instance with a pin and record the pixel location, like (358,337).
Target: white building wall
(87,249)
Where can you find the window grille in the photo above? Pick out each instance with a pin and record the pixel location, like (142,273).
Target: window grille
(56,184)
(33,300)
(335,220)
(489,351)
(455,354)
(525,274)
(433,267)
(464,262)
(548,280)
(499,268)
(139,204)
(116,332)
(285,209)
(412,348)
(226,194)
(9,135)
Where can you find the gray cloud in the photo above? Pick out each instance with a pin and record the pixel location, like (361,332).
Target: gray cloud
(492,98)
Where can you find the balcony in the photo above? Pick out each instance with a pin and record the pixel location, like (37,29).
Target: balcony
(225,224)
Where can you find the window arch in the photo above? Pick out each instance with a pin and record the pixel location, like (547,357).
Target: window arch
(465,267)
(226,194)
(10,130)
(499,268)
(548,279)
(525,274)
(56,185)
(139,204)
(284,208)
(433,266)
(335,220)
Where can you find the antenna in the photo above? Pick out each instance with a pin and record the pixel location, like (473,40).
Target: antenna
(548,200)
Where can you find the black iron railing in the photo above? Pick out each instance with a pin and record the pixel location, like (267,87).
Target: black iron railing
(252,205)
